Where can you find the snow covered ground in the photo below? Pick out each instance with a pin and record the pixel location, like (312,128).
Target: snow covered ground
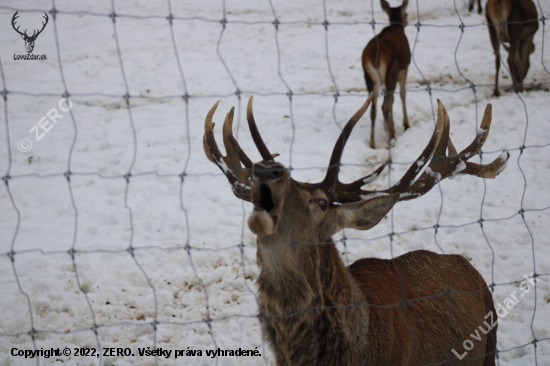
(191,280)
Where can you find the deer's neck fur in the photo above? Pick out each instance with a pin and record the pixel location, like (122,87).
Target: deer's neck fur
(294,276)
(397,18)
(297,283)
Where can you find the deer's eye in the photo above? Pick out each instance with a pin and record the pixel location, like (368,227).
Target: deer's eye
(278,173)
(323,204)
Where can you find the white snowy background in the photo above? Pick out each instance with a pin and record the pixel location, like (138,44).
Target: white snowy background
(100,215)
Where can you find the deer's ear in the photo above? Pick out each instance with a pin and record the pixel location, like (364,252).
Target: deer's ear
(404,5)
(364,215)
(385,6)
(23,36)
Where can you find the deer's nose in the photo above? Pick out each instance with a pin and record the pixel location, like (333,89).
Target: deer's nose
(266,170)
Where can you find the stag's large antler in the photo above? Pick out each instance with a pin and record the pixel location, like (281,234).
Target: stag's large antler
(363,208)
(441,165)
(230,165)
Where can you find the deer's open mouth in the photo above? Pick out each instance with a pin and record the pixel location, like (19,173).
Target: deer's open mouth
(263,220)
(265,201)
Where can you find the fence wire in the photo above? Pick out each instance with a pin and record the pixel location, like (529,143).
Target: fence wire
(10,180)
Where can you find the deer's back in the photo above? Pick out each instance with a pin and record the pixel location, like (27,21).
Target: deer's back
(390,46)
(513,11)
(421,279)
(523,17)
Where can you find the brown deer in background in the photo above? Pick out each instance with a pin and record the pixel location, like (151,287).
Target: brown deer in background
(514,22)
(317,311)
(386,60)
(471,6)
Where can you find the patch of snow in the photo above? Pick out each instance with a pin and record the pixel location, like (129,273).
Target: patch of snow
(459,167)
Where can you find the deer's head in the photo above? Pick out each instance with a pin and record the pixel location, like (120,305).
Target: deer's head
(286,210)
(397,15)
(29,40)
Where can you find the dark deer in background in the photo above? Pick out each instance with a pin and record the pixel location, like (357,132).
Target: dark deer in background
(29,40)
(317,311)
(386,60)
(471,6)
(514,22)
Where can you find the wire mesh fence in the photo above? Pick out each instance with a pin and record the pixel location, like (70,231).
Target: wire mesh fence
(120,238)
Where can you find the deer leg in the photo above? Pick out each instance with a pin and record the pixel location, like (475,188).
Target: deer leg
(514,60)
(495,42)
(376,90)
(471,5)
(373,78)
(402,93)
(496,92)
(513,65)
(388,114)
(391,83)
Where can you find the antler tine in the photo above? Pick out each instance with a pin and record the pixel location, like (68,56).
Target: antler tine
(331,178)
(238,177)
(209,142)
(451,147)
(482,133)
(262,148)
(346,188)
(435,145)
(490,170)
(352,192)
(443,166)
(234,151)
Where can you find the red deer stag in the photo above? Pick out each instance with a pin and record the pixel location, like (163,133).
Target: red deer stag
(514,22)
(411,310)
(386,60)
(471,6)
